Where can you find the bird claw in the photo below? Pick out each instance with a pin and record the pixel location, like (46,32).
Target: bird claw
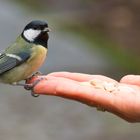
(37,73)
(34,94)
(28,86)
(31,86)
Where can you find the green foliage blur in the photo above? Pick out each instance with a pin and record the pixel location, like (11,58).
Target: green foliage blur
(113,25)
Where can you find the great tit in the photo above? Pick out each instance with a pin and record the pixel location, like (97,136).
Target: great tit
(26,55)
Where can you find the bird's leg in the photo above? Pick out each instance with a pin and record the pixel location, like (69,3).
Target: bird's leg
(37,73)
(31,86)
(17,84)
(28,86)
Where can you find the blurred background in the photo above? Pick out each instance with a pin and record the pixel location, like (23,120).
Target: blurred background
(92,36)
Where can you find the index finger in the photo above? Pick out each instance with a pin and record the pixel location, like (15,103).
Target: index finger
(80,77)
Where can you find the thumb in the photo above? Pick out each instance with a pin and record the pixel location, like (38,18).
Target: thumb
(131,79)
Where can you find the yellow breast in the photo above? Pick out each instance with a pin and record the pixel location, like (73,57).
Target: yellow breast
(38,56)
(36,60)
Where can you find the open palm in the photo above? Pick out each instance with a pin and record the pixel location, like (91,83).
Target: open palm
(124,101)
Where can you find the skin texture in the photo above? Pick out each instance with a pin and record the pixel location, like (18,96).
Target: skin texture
(123,102)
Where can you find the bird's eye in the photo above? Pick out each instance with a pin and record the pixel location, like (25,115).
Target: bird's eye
(35,28)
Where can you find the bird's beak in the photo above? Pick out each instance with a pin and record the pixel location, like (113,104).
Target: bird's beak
(47,29)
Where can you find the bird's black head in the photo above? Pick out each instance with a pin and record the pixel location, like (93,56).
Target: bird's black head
(36,32)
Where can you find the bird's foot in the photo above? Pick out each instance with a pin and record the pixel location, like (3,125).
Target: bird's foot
(31,87)
(37,73)
(28,85)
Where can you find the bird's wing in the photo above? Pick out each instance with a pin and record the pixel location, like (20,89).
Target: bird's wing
(9,61)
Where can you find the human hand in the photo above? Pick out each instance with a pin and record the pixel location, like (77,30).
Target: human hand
(123,100)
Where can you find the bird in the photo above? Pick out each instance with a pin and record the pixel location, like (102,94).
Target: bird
(26,55)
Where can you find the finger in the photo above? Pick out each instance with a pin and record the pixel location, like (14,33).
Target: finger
(70,89)
(73,76)
(80,76)
(131,79)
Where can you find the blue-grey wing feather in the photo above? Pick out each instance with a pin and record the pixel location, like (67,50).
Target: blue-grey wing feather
(7,63)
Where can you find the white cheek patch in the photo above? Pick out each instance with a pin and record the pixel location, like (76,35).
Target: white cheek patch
(31,34)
